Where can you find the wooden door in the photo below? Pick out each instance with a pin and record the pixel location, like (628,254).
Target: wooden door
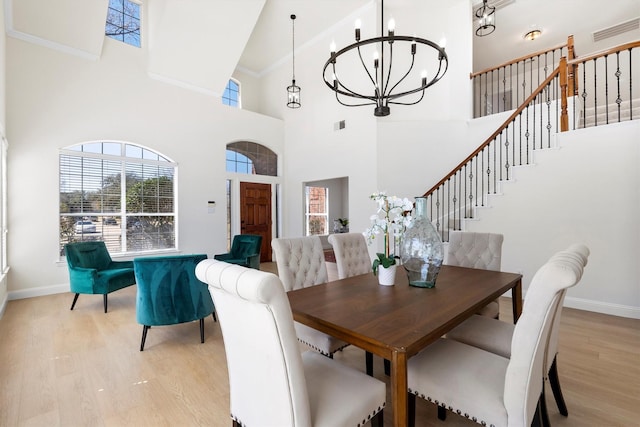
(255,214)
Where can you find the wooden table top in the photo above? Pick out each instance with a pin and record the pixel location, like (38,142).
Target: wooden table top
(401,317)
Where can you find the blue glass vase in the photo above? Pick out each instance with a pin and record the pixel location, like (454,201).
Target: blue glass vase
(421,248)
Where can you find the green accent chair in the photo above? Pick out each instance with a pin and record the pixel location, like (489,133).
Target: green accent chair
(245,251)
(169,292)
(92,271)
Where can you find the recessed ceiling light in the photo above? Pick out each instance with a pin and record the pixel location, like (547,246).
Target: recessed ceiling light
(532,35)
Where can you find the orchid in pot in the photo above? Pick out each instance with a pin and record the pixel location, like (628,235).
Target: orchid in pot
(390,219)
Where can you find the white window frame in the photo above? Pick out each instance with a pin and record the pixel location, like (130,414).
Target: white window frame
(142,231)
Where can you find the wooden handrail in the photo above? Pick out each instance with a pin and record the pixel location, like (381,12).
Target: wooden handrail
(502,127)
(568,44)
(604,52)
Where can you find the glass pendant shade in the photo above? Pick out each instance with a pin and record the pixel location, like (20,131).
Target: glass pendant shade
(421,249)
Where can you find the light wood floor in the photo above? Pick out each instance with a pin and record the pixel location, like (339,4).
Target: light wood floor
(84,368)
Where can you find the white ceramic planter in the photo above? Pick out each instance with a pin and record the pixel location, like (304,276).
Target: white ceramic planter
(387,276)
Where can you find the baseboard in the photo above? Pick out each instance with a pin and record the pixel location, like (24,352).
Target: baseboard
(603,307)
(596,306)
(38,292)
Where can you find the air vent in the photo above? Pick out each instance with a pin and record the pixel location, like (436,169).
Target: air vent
(339,125)
(615,30)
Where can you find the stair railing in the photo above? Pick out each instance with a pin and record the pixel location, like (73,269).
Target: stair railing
(604,76)
(607,93)
(500,88)
(528,128)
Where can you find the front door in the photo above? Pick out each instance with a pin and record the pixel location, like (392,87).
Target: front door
(255,214)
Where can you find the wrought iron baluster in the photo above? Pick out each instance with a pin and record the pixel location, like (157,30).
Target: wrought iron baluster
(595,92)
(606,88)
(618,74)
(584,94)
(466,214)
(495,171)
(527,134)
(547,90)
(630,88)
(455,199)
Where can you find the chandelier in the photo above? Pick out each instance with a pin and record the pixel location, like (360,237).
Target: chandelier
(293,91)
(381,84)
(486,19)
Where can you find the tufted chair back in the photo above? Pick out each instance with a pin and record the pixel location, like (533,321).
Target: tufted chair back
(475,250)
(352,255)
(529,345)
(270,382)
(300,261)
(301,264)
(256,320)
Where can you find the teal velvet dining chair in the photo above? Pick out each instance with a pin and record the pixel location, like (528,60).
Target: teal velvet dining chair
(169,292)
(245,251)
(92,271)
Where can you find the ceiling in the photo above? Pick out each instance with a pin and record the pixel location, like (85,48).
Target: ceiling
(270,41)
(181,32)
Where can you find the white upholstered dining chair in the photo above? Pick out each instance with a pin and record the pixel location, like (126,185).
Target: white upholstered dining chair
(352,259)
(270,382)
(495,335)
(300,262)
(476,250)
(352,254)
(488,388)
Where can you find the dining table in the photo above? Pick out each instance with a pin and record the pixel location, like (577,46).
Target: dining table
(396,322)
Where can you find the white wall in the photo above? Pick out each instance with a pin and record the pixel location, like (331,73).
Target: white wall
(412,149)
(586,191)
(57,100)
(3,62)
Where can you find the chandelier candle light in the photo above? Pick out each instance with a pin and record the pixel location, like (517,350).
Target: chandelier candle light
(383,86)
(293,91)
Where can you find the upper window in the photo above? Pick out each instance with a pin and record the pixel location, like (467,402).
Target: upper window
(249,157)
(123,22)
(94,205)
(231,95)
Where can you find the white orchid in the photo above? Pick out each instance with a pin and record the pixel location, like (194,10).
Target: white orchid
(391,218)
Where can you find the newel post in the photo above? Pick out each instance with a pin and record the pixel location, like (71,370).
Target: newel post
(564,117)
(571,54)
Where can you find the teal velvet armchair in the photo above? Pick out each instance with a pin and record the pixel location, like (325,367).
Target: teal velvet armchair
(169,293)
(245,251)
(92,271)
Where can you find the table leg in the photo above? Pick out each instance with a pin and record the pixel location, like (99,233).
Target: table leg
(516,300)
(399,387)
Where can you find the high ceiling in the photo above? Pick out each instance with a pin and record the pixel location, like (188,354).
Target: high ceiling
(270,41)
(188,38)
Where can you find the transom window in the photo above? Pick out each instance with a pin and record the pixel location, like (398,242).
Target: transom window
(249,157)
(123,22)
(231,95)
(94,205)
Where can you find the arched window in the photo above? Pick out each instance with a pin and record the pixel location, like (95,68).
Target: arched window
(94,205)
(231,95)
(249,157)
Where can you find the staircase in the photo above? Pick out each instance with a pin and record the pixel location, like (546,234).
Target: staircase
(554,106)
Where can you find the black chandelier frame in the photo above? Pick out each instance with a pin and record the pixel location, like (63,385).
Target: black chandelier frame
(383,95)
(487,19)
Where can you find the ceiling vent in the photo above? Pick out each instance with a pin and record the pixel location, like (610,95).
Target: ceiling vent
(617,29)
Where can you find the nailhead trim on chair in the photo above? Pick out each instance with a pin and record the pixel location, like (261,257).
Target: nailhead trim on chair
(371,415)
(324,353)
(450,408)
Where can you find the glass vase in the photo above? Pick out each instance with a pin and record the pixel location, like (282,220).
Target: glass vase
(421,248)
